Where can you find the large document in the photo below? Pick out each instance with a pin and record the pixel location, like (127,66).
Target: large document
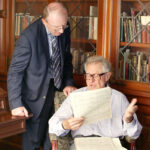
(98,143)
(93,105)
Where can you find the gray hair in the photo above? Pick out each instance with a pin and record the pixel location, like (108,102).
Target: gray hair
(52,7)
(98,59)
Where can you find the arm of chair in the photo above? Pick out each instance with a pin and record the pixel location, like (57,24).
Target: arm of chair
(60,143)
(132,142)
(54,141)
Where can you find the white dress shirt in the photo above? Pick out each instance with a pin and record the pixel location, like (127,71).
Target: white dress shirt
(114,127)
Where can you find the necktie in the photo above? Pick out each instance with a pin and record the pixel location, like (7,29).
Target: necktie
(56,63)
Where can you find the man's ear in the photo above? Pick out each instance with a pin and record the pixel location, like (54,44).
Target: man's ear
(107,76)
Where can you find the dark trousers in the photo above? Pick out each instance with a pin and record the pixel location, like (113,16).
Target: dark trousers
(36,134)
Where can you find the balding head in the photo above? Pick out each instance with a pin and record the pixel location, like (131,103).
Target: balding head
(54,7)
(55,18)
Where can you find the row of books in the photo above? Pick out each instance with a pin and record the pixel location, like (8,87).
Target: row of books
(83,27)
(22,21)
(78,59)
(134,28)
(134,66)
(79,26)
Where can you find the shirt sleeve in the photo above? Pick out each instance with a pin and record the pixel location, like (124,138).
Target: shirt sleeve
(63,113)
(132,129)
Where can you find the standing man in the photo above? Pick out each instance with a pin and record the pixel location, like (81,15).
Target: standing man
(41,63)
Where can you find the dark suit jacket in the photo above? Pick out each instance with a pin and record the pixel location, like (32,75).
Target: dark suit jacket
(28,76)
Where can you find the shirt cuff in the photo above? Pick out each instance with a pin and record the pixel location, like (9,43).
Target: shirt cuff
(63,132)
(131,124)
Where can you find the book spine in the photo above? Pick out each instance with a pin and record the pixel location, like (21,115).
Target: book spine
(133,23)
(95,29)
(138,28)
(121,30)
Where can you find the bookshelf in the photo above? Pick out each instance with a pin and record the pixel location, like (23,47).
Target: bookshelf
(115,50)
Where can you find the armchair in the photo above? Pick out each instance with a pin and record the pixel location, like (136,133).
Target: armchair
(63,143)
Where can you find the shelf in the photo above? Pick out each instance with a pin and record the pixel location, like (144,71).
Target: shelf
(132,87)
(83,41)
(75,40)
(61,1)
(23,1)
(139,45)
(80,1)
(135,0)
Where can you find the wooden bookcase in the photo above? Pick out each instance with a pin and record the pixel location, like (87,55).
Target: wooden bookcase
(109,46)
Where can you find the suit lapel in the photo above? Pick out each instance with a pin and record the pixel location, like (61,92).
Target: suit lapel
(60,42)
(44,42)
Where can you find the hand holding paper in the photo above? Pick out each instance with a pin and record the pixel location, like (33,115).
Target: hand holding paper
(93,105)
(72,123)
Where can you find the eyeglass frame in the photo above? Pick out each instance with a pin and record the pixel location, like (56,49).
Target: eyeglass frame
(61,27)
(57,28)
(92,76)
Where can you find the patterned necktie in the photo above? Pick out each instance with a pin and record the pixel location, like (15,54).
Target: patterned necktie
(56,63)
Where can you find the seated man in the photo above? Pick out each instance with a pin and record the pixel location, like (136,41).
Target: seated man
(124,121)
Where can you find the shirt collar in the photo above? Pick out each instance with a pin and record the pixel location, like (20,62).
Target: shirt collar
(49,34)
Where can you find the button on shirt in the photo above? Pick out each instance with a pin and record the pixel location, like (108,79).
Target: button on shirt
(114,127)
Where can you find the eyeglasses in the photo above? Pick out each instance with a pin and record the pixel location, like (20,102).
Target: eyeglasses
(89,76)
(57,28)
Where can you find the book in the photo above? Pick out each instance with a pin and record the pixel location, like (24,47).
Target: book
(130,30)
(125,24)
(92,22)
(148,33)
(144,32)
(95,28)
(82,27)
(134,67)
(138,28)
(134,31)
(73,22)
(121,29)
(148,69)
(143,70)
(91,27)
(76,54)
(139,55)
(125,65)
(93,11)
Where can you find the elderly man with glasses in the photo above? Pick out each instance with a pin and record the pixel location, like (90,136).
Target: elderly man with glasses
(124,121)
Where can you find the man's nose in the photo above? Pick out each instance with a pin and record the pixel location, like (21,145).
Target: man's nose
(61,30)
(92,79)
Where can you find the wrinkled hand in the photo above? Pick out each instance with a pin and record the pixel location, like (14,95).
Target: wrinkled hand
(20,111)
(68,89)
(132,108)
(72,123)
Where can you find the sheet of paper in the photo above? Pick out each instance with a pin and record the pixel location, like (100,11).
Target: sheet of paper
(98,143)
(93,105)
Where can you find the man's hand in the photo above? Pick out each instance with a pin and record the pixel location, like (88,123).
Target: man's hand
(72,123)
(20,111)
(132,108)
(68,89)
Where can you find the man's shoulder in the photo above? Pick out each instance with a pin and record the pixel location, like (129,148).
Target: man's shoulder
(116,92)
(33,28)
